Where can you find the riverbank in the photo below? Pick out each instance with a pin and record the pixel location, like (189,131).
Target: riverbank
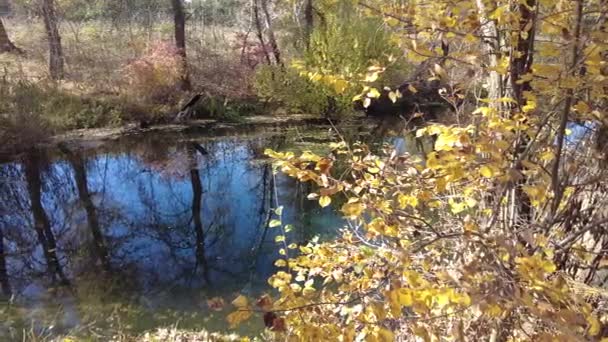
(93,136)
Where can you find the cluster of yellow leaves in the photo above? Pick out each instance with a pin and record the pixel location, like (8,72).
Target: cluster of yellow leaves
(426,252)
(397,266)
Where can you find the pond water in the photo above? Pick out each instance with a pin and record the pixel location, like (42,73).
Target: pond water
(139,233)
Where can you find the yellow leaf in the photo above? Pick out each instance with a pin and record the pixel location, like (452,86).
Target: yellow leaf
(547,70)
(340,86)
(405,297)
(280,263)
(493,310)
(442,299)
(412,89)
(405,200)
(274,223)
(457,207)
(594,325)
(373,170)
(324,201)
(486,171)
(385,335)
(547,155)
(373,93)
(582,107)
(394,95)
(529,106)
(353,209)
(371,77)
(484,111)
(498,13)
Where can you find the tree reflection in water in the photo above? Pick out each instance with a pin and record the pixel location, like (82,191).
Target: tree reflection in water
(141,228)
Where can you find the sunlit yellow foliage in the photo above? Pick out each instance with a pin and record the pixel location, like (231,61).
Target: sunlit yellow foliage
(475,240)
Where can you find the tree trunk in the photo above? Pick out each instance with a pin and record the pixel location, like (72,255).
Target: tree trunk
(4,283)
(80,175)
(271,37)
(492,45)
(308,22)
(179,22)
(5,43)
(42,224)
(56,61)
(259,30)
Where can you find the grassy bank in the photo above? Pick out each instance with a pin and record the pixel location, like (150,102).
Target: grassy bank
(116,74)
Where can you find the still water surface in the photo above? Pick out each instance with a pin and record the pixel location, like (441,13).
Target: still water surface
(140,233)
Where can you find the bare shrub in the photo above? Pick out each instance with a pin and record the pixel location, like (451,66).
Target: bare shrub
(154,76)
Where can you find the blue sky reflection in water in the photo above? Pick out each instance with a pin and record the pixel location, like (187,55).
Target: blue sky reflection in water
(151,253)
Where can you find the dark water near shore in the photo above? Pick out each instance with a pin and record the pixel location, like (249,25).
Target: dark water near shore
(140,233)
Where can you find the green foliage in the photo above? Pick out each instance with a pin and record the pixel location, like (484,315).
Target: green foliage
(225,109)
(54,109)
(297,93)
(348,44)
(343,46)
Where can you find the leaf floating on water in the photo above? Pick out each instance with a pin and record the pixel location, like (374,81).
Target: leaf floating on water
(312,196)
(240,301)
(279,211)
(216,303)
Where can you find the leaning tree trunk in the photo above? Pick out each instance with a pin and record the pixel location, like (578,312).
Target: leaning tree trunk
(56,62)
(259,30)
(5,43)
(271,37)
(179,21)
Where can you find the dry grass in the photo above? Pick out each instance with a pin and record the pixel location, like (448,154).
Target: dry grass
(98,89)
(96,53)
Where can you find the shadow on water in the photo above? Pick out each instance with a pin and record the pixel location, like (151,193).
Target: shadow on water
(140,233)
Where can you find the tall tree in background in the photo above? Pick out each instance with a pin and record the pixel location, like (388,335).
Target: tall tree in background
(270,31)
(308,22)
(255,10)
(5,43)
(56,61)
(179,20)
